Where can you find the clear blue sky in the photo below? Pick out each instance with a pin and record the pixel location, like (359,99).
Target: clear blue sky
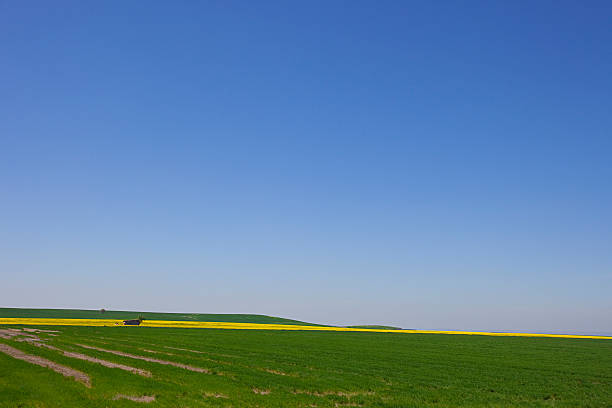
(430,165)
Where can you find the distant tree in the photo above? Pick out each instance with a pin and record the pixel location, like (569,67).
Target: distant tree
(102,311)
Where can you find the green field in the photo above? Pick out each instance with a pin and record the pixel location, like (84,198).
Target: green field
(262,368)
(124,315)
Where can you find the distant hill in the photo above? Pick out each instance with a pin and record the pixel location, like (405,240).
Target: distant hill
(125,315)
(372,326)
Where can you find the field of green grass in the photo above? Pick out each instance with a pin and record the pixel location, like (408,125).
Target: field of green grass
(261,368)
(125,315)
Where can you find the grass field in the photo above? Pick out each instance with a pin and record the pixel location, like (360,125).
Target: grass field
(123,315)
(268,368)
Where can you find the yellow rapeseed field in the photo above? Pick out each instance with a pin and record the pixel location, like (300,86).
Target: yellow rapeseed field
(260,326)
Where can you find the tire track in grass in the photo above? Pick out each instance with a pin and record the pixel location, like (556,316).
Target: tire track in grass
(131,344)
(38,342)
(135,342)
(149,359)
(211,353)
(43,362)
(144,398)
(108,364)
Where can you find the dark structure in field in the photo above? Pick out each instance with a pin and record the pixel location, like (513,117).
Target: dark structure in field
(131,322)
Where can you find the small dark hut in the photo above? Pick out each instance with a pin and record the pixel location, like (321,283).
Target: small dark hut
(131,322)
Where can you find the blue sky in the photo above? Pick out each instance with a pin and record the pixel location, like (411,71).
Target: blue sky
(434,166)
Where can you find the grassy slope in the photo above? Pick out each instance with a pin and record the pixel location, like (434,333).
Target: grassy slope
(114,314)
(385,370)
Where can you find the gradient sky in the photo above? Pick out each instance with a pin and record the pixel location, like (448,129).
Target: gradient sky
(430,165)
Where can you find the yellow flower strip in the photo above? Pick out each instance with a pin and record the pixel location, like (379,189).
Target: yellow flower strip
(261,326)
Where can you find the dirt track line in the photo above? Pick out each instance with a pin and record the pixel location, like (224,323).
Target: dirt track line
(149,359)
(214,395)
(157,352)
(108,364)
(43,362)
(261,392)
(183,349)
(85,357)
(32,330)
(8,333)
(79,356)
(144,398)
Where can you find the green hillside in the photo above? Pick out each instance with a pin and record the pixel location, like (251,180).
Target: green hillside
(122,315)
